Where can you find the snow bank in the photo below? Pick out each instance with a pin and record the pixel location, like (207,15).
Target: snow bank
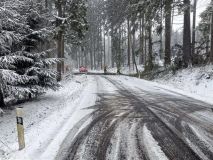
(195,82)
(47,120)
(167,88)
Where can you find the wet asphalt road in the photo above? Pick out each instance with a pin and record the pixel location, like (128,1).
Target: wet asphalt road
(122,120)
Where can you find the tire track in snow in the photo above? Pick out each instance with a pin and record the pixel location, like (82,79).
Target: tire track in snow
(115,135)
(194,139)
(151,146)
(143,105)
(63,152)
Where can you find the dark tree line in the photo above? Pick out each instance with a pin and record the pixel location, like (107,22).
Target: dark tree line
(136,32)
(33,39)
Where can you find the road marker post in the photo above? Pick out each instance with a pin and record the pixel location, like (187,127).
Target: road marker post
(20,128)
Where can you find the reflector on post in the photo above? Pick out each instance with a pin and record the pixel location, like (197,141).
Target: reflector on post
(20,128)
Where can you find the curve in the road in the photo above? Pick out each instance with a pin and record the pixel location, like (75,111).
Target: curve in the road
(124,127)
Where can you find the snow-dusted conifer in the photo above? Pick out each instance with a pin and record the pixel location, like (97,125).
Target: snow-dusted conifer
(24,62)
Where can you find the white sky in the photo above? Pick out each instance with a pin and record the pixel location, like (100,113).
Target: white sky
(201,6)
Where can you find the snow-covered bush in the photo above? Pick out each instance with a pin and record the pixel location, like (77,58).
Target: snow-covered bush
(24,53)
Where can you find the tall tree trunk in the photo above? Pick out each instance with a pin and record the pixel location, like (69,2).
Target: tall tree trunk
(161,34)
(133,50)
(94,51)
(91,55)
(76,54)
(79,58)
(104,49)
(145,43)
(109,49)
(86,52)
(112,46)
(140,35)
(98,48)
(141,39)
(207,45)
(167,58)
(59,39)
(211,52)
(2,104)
(62,53)
(82,56)
(129,42)
(193,29)
(187,35)
(63,40)
(172,23)
(101,46)
(118,51)
(150,63)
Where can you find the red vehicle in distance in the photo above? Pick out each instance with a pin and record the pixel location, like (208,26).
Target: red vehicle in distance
(83,69)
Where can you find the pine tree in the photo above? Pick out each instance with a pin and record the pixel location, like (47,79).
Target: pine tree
(24,65)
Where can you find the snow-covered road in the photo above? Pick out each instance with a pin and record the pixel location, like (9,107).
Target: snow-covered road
(134,119)
(115,118)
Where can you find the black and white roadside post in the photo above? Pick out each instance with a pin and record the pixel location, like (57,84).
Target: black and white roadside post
(20,128)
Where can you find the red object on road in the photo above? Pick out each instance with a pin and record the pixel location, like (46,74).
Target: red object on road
(83,69)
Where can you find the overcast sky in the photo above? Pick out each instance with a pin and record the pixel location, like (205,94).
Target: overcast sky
(201,6)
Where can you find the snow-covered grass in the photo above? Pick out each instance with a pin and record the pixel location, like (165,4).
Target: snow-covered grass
(193,81)
(47,120)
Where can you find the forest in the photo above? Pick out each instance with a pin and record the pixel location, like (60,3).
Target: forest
(106,79)
(41,39)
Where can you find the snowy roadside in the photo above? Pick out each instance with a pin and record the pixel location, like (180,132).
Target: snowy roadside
(206,88)
(193,82)
(47,120)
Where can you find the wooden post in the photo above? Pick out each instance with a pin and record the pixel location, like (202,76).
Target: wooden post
(20,128)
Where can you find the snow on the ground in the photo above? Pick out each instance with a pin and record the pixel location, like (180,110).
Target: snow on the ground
(47,120)
(195,147)
(167,87)
(195,81)
(143,87)
(203,135)
(96,71)
(151,146)
(126,70)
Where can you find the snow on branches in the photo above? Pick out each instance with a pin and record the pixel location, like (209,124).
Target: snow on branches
(24,52)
